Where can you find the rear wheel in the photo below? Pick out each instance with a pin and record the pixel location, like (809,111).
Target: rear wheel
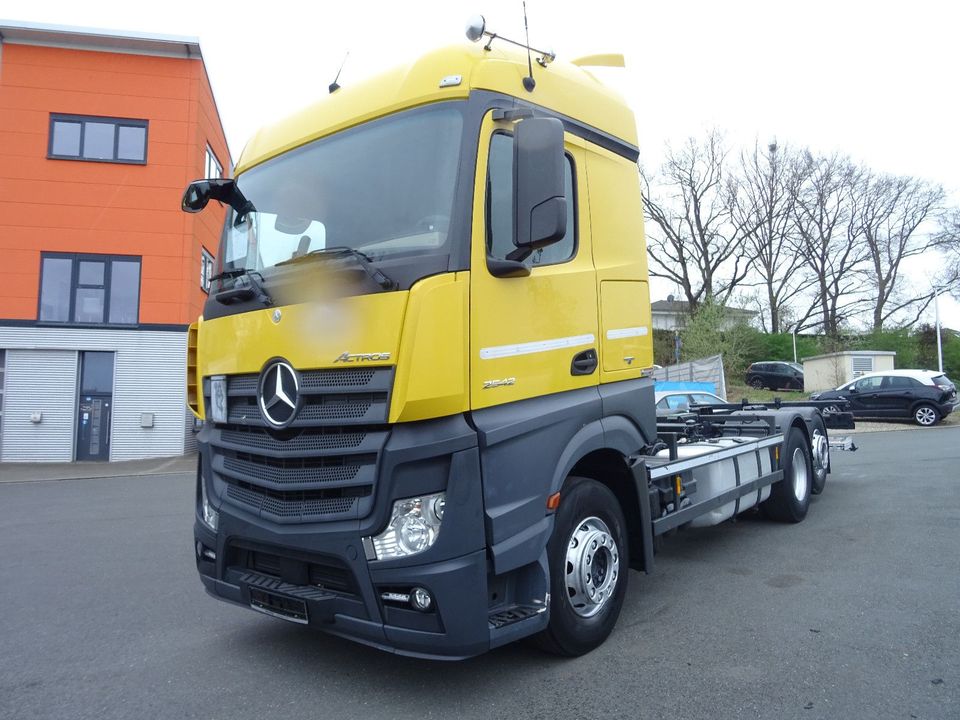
(790,497)
(819,456)
(926,415)
(589,561)
(756,383)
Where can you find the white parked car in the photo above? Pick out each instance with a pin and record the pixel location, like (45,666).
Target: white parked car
(670,402)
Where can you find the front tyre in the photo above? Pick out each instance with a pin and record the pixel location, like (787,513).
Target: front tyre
(790,497)
(589,560)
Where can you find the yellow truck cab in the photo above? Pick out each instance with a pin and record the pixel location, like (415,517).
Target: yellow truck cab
(421,365)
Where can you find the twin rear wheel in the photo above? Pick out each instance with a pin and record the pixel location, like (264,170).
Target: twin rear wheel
(790,497)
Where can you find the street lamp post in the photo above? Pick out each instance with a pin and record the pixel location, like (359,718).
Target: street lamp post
(936,314)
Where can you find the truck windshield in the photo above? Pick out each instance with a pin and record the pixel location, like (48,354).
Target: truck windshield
(385,188)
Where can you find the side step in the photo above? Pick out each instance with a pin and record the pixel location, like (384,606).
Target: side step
(513,614)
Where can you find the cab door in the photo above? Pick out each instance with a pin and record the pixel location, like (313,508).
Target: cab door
(535,335)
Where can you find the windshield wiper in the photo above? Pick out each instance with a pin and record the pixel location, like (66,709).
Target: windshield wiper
(362,259)
(252,290)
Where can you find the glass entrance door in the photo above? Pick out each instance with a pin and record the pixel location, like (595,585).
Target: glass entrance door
(94,409)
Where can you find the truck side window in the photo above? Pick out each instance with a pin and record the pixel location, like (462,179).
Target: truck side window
(500,207)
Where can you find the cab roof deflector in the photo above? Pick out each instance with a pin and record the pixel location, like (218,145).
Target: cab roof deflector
(602,60)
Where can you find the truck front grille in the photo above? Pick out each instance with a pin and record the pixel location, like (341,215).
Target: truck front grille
(324,465)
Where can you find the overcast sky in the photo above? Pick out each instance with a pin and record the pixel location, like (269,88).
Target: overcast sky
(875,80)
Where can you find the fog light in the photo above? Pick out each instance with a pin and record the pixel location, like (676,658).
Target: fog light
(205,553)
(421,599)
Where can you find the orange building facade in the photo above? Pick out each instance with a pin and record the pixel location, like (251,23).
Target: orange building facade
(100,271)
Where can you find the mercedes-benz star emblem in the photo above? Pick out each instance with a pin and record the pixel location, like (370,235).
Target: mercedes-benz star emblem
(278,393)
(277,315)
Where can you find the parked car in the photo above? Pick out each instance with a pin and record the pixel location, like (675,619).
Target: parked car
(924,396)
(775,375)
(670,402)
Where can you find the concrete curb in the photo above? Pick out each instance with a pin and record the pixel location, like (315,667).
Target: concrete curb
(45,472)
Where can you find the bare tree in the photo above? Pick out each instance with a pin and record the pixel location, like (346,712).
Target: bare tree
(890,214)
(949,239)
(764,206)
(693,239)
(829,238)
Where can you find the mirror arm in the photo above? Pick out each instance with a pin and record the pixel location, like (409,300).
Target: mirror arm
(520,254)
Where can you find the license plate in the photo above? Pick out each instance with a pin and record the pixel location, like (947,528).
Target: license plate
(281,606)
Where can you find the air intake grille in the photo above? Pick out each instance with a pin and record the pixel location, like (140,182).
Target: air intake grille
(297,505)
(323,466)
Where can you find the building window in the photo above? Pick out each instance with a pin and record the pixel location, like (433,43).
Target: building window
(89,289)
(78,137)
(212,167)
(206,269)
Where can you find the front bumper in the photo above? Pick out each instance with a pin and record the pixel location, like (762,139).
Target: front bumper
(455,629)
(321,566)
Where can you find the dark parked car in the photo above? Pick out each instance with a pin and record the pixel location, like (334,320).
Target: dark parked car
(775,375)
(924,396)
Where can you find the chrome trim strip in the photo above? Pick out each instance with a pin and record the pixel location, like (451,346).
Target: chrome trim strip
(621,333)
(538,346)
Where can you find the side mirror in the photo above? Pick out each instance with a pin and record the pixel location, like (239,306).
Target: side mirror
(196,196)
(539,203)
(200,192)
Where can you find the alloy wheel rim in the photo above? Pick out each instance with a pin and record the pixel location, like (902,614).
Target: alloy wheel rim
(592,567)
(926,416)
(800,479)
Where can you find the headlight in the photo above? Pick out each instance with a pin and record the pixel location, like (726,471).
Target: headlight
(209,516)
(218,399)
(413,527)
(814,396)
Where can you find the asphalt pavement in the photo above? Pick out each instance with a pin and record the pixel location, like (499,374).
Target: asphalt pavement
(854,613)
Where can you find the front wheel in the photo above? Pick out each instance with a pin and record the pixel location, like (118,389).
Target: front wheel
(756,383)
(589,563)
(926,415)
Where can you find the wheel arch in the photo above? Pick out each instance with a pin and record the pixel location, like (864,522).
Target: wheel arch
(923,401)
(601,451)
(612,470)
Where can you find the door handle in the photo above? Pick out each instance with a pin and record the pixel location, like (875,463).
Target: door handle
(584,363)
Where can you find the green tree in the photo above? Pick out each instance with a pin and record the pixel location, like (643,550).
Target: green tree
(710,331)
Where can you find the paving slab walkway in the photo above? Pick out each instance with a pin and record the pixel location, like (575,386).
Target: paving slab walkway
(39,472)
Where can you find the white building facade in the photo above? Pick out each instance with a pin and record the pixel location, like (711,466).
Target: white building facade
(93,394)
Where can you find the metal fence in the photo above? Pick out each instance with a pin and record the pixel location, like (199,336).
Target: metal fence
(706,370)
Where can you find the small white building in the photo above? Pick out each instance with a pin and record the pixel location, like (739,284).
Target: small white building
(672,314)
(825,372)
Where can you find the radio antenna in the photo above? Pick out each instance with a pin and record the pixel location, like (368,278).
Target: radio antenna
(528,82)
(334,86)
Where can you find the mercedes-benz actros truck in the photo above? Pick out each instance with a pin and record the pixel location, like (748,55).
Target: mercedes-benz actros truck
(423,368)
